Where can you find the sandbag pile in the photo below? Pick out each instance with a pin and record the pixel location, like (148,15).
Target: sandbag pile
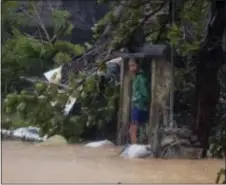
(179,142)
(173,143)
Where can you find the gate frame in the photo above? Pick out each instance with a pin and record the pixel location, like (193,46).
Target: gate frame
(159,56)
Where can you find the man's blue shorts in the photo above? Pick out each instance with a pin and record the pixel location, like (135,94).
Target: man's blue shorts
(139,116)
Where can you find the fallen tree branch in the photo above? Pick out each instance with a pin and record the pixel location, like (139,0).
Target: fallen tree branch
(32,80)
(142,3)
(40,22)
(144,20)
(117,13)
(98,49)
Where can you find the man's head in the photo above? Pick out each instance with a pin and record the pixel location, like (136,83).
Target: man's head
(133,65)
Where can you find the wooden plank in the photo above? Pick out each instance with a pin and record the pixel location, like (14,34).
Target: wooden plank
(120,111)
(159,100)
(126,103)
(152,118)
(125,99)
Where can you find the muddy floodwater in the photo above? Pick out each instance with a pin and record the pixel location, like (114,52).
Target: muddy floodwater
(26,163)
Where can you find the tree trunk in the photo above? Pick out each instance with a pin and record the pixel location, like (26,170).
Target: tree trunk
(207,94)
(211,58)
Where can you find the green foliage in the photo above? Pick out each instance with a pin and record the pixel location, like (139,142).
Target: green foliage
(193,14)
(124,25)
(25,55)
(61,58)
(66,47)
(59,18)
(22,56)
(128,23)
(28,55)
(10,18)
(100,26)
(45,108)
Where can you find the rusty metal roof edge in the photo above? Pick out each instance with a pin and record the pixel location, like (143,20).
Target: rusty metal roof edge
(136,55)
(148,50)
(151,50)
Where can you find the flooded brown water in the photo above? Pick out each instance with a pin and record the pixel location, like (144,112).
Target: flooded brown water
(26,163)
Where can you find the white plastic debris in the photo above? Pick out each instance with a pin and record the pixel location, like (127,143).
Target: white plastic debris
(26,133)
(6,132)
(70,103)
(99,144)
(136,151)
(53,75)
(118,61)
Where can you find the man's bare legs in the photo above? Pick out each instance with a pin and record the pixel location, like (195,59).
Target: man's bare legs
(133,132)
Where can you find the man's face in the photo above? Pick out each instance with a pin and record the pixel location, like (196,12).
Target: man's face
(133,66)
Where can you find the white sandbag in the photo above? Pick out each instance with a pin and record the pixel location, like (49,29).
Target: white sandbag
(22,132)
(99,144)
(6,132)
(28,133)
(136,151)
(34,130)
